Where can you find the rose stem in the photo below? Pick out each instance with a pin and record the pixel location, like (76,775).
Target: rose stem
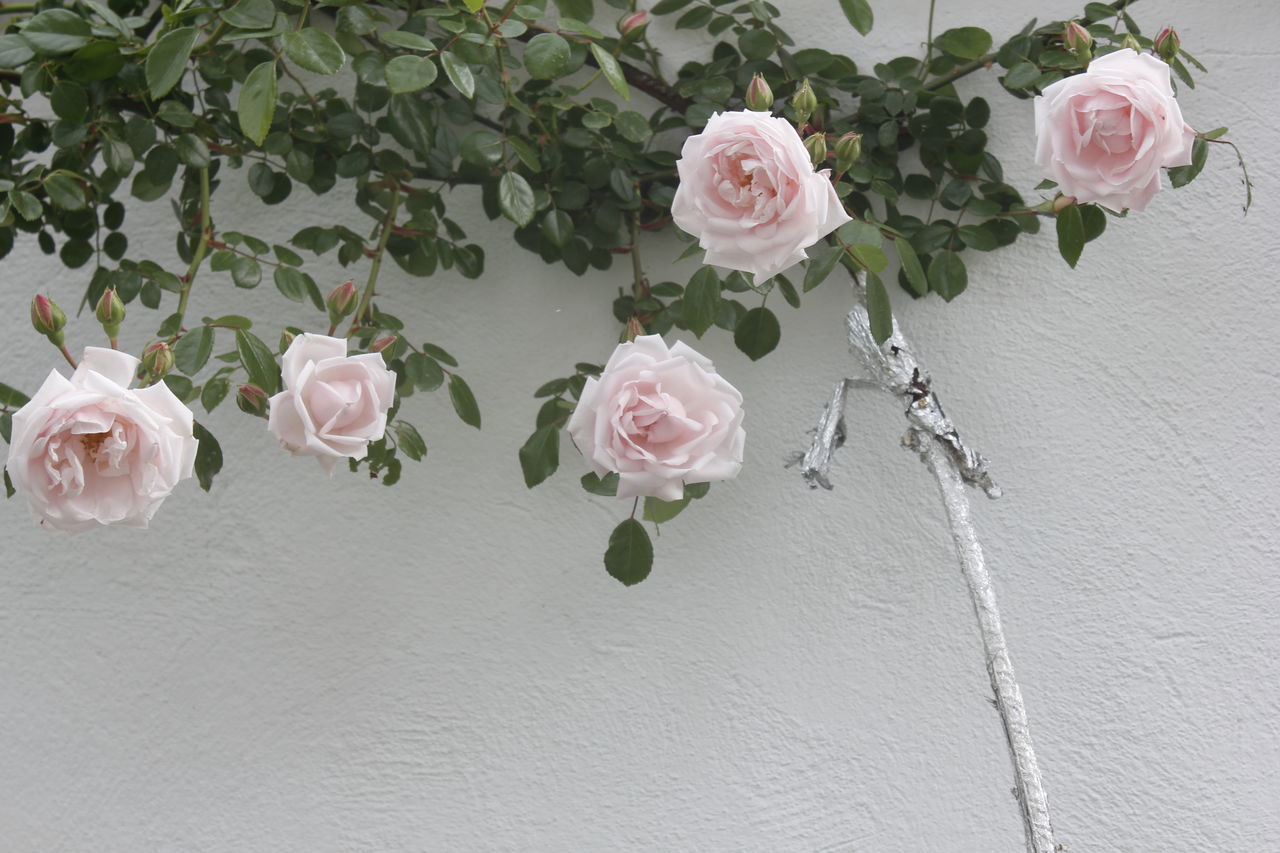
(366,298)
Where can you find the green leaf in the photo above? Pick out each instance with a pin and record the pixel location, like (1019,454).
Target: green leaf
(629,557)
(258,361)
(464,402)
(208,455)
(12,397)
(423,371)
(879,312)
(251,15)
(257,104)
(666,7)
(701,301)
(1180,176)
(515,198)
(192,151)
(540,455)
(167,60)
(757,333)
(606,486)
(56,31)
(314,50)
(214,392)
(660,512)
(64,192)
(234,321)
(410,441)
(8,485)
(1094,221)
(869,257)
(964,42)
(546,57)
(859,14)
(474,5)
(947,275)
(291,283)
(911,269)
(612,71)
(14,51)
(821,265)
(69,101)
(1070,234)
(193,349)
(557,227)
(459,74)
(410,73)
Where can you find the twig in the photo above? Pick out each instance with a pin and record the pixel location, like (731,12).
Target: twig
(892,368)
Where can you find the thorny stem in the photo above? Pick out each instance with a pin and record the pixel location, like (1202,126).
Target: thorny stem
(206,232)
(366,298)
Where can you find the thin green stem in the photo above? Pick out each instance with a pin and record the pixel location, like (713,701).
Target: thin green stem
(17,8)
(214,37)
(206,232)
(928,39)
(366,298)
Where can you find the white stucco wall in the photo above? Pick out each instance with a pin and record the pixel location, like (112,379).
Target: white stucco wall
(299,665)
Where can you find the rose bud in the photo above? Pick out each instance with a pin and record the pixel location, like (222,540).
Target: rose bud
(341,302)
(286,338)
(1167,44)
(48,318)
(848,150)
(1131,43)
(110,312)
(804,102)
(632,24)
(1078,40)
(816,145)
(759,95)
(252,400)
(384,346)
(157,359)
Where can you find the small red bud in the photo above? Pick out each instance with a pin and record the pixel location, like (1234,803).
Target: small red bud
(157,359)
(848,150)
(1167,44)
(631,25)
(110,312)
(383,344)
(804,102)
(252,400)
(47,318)
(341,301)
(1078,39)
(759,95)
(817,148)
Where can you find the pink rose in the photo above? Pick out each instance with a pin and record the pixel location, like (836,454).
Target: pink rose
(1105,134)
(660,418)
(332,404)
(748,192)
(89,451)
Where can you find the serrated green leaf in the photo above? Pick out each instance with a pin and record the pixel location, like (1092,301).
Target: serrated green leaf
(964,42)
(459,74)
(540,455)
(947,275)
(208,455)
(258,361)
(515,198)
(629,557)
(167,60)
(879,311)
(911,268)
(820,265)
(314,50)
(612,71)
(660,512)
(193,349)
(757,333)
(859,14)
(57,31)
(464,402)
(257,104)
(1070,234)
(410,441)
(409,74)
(701,301)
(546,57)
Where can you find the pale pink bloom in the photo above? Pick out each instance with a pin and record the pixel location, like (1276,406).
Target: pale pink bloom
(332,404)
(1105,134)
(90,451)
(660,418)
(748,192)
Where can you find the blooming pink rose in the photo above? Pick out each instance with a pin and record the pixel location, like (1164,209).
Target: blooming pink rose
(332,404)
(748,192)
(88,450)
(1105,134)
(660,418)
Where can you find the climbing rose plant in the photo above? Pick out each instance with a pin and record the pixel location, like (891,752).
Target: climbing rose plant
(780,161)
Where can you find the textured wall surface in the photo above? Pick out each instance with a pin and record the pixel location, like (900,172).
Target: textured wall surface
(298,665)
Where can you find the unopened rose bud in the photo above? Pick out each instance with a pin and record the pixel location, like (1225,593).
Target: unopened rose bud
(48,318)
(635,328)
(804,102)
(286,338)
(383,345)
(252,400)
(848,150)
(342,301)
(1078,40)
(1131,43)
(157,359)
(110,312)
(632,24)
(1167,44)
(817,148)
(1062,202)
(759,95)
